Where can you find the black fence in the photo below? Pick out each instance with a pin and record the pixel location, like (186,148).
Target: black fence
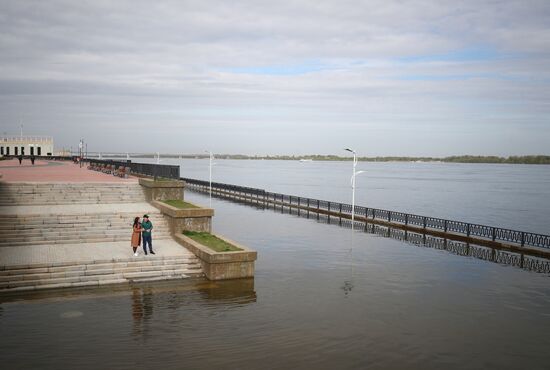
(146,169)
(489,233)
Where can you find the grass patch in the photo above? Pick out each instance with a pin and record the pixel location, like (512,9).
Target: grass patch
(211,241)
(164,179)
(178,203)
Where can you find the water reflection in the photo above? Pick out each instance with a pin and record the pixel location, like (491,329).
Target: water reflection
(142,308)
(490,254)
(144,297)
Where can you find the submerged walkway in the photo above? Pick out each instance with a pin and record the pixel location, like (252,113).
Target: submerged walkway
(54,171)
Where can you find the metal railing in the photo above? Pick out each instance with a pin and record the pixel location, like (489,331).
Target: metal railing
(146,169)
(490,233)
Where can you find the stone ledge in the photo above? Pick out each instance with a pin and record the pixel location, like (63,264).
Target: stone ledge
(183,212)
(162,190)
(151,183)
(222,265)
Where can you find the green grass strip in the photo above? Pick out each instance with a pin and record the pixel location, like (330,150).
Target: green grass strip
(178,203)
(211,241)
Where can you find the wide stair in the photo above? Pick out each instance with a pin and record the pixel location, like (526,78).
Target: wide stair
(21,230)
(97,273)
(76,193)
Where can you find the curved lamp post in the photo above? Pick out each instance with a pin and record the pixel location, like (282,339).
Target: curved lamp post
(354,173)
(210,177)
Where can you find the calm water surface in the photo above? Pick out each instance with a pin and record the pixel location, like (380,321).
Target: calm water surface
(323,298)
(503,195)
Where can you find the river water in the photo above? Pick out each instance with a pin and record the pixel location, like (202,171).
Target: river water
(509,196)
(324,297)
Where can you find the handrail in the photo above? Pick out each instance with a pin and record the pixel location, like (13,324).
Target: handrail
(467,229)
(148,169)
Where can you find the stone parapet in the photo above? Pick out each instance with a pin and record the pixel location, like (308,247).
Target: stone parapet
(186,219)
(162,189)
(222,265)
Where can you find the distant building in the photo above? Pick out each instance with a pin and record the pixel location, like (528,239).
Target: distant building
(26,145)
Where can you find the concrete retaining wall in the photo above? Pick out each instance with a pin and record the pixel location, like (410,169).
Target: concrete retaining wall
(222,265)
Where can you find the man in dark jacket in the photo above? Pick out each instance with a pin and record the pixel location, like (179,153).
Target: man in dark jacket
(147,226)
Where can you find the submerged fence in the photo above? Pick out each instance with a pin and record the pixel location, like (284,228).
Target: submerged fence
(489,233)
(146,169)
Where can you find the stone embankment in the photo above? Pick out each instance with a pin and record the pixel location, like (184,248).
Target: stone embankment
(56,235)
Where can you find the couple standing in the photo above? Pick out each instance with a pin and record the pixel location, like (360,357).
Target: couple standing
(142,229)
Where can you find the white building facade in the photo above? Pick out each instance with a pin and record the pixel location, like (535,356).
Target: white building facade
(39,146)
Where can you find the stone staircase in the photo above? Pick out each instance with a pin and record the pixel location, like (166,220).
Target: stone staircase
(64,228)
(96,273)
(20,230)
(72,193)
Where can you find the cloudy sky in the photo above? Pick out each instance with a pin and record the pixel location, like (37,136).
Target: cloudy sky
(280,77)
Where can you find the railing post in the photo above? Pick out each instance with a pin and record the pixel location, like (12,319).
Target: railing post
(318,212)
(406,218)
(522,239)
(468,230)
(494,234)
(445,226)
(389,216)
(424,222)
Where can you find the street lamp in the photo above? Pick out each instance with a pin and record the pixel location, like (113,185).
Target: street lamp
(354,173)
(210,177)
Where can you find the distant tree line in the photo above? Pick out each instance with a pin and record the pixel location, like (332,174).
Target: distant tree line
(526,159)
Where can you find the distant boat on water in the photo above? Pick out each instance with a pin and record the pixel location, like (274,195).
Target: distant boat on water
(306,160)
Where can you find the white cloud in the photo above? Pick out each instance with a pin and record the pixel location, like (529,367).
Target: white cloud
(384,74)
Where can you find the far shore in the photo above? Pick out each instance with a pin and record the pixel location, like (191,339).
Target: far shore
(526,159)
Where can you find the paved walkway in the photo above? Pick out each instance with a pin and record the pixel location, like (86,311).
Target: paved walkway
(85,252)
(54,171)
(68,172)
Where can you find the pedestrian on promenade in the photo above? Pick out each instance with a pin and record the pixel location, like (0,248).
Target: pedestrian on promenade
(147,226)
(136,235)
(20,157)
(32,159)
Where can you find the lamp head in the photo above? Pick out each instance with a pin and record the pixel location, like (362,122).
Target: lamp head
(350,150)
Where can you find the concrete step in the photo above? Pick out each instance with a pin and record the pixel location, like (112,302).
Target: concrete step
(101,272)
(47,239)
(76,222)
(68,228)
(75,187)
(130,261)
(157,219)
(121,214)
(61,202)
(73,220)
(76,241)
(83,226)
(97,275)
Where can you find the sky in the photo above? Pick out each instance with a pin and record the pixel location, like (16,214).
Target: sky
(410,78)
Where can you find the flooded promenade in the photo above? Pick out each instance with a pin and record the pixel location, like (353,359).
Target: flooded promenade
(321,298)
